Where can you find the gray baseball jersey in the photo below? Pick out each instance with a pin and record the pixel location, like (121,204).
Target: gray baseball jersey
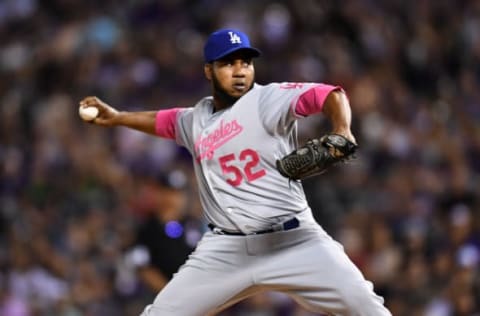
(241,191)
(235,151)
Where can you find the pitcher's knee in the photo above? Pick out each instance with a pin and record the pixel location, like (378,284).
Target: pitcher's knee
(362,301)
(154,310)
(146,310)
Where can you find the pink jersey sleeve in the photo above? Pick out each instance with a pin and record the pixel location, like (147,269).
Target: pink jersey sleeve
(312,100)
(165,122)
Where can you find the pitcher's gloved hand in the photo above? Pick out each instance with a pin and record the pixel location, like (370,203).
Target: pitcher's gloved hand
(316,156)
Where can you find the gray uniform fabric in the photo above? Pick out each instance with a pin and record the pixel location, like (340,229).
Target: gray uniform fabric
(241,191)
(262,126)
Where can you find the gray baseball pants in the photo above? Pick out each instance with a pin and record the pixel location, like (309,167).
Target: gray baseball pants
(305,263)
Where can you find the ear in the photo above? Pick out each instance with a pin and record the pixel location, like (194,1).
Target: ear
(208,68)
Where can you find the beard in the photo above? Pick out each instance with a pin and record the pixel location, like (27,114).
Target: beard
(222,95)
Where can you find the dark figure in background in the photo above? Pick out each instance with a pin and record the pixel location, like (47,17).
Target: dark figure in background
(166,236)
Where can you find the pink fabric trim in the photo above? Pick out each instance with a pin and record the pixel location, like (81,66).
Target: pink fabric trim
(165,122)
(312,100)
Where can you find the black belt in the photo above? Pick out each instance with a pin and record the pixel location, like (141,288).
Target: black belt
(290,224)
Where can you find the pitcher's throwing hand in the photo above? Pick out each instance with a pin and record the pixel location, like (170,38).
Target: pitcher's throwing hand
(262,233)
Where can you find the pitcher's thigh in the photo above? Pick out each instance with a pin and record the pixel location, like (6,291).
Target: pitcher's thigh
(321,277)
(196,292)
(351,299)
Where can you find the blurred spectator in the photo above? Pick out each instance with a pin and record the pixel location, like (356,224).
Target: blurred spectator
(11,304)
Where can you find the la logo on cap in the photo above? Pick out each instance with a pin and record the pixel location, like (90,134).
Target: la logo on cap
(226,41)
(234,38)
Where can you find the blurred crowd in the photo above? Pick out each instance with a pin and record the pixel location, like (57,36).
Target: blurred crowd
(80,205)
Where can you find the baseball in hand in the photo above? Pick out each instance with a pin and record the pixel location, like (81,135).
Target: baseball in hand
(88,113)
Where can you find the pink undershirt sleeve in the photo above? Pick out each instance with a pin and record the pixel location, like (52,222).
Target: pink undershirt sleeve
(312,100)
(165,122)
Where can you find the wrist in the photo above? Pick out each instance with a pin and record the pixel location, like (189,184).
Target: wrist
(341,129)
(345,132)
(119,118)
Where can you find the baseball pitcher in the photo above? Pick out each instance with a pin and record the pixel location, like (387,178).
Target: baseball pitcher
(248,166)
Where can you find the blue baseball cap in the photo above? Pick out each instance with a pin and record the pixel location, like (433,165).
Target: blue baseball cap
(226,41)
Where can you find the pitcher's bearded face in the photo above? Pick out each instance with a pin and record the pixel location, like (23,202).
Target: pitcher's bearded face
(224,95)
(232,77)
